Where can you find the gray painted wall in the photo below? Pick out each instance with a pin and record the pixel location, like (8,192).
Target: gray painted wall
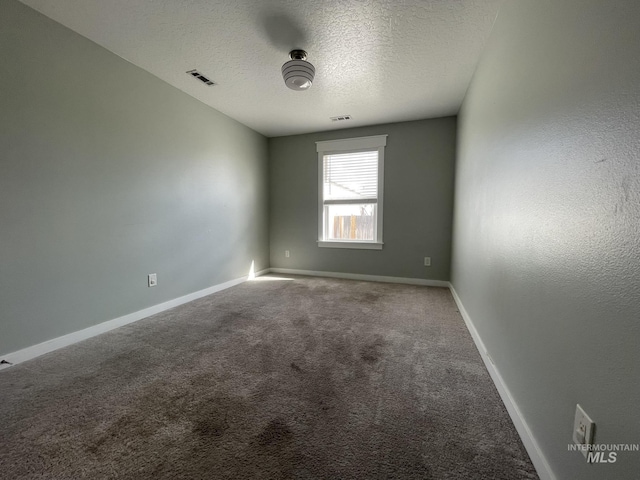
(108,174)
(546,255)
(418,202)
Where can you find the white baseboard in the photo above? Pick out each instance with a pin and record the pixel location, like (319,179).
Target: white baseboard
(74,337)
(358,276)
(533,449)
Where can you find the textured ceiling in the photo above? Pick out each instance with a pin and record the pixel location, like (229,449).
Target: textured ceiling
(377,60)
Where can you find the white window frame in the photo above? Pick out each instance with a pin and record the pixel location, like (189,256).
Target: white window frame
(349,145)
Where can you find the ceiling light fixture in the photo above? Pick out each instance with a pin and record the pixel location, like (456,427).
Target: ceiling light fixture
(298,73)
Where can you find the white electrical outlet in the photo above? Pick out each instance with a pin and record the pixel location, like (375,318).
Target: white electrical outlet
(153,279)
(286,253)
(427,261)
(583,428)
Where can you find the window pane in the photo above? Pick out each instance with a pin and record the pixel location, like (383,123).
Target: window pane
(349,176)
(350,222)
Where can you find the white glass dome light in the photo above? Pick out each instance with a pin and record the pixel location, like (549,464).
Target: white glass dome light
(298,73)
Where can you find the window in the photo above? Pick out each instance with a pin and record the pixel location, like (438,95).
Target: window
(350,181)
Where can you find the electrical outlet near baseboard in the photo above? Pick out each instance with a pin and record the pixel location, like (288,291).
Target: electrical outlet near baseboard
(583,429)
(153,279)
(427,261)
(287,254)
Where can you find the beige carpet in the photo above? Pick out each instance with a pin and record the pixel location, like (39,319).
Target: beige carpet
(300,378)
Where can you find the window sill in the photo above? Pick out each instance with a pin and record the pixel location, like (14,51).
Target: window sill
(357,245)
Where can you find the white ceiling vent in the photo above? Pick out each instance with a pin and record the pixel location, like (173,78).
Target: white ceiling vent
(340,118)
(199,76)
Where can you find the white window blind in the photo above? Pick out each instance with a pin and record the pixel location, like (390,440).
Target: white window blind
(350,177)
(350,181)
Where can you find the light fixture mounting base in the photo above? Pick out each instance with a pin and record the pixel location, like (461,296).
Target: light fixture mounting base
(298,55)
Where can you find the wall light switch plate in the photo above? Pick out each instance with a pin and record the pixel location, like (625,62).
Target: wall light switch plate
(153,279)
(583,429)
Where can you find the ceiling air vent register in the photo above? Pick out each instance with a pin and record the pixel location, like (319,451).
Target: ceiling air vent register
(199,76)
(298,73)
